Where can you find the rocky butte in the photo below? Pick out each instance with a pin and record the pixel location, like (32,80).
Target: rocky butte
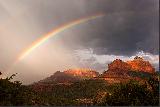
(139,64)
(119,71)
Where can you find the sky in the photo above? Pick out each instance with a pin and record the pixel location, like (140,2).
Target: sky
(127,29)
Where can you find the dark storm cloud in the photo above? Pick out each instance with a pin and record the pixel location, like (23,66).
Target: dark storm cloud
(129,25)
(126,33)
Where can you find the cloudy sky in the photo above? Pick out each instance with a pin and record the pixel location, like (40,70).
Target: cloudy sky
(129,28)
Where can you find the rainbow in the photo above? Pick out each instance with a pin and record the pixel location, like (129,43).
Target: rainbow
(54,32)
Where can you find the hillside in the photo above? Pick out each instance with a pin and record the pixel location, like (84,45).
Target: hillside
(69,76)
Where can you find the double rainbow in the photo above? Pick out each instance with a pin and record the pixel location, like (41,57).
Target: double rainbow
(54,32)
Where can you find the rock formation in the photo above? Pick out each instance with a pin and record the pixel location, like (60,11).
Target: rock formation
(119,71)
(139,64)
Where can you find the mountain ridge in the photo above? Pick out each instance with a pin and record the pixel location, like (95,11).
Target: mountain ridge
(118,71)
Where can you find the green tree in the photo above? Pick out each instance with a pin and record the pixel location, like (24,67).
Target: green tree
(132,93)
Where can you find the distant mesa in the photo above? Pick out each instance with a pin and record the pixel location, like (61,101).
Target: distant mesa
(70,76)
(67,77)
(82,73)
(59,77)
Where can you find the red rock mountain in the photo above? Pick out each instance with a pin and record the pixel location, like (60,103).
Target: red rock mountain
(138,64)
(64,78)
(118,70)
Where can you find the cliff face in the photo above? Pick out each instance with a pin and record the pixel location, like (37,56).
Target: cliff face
(119,65)
(117,72)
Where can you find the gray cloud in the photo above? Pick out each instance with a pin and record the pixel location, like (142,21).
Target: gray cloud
(124,31)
